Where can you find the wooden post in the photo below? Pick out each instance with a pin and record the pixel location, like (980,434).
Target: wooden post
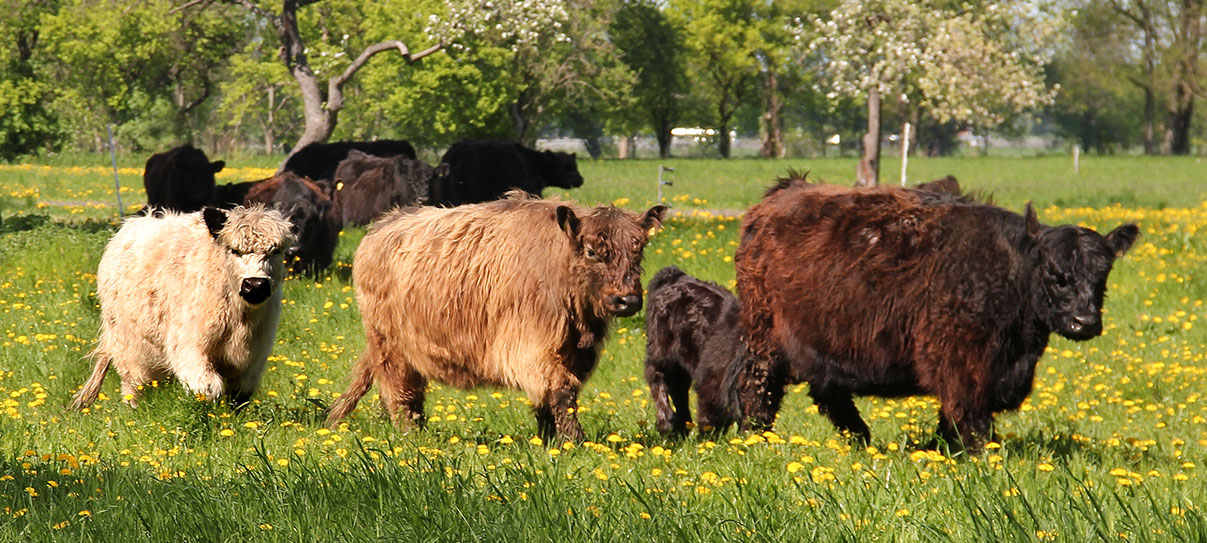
(1077,158)
(904,152)
(116,184)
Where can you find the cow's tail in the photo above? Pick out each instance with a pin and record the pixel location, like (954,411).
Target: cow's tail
(664,276)
(88,393)
(362,381)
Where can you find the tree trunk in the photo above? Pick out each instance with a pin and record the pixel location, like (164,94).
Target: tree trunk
(1150,113)
(270,126)
(723,139)
(868,171)
(773,137)
(664,142)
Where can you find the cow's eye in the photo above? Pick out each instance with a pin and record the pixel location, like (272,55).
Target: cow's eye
(237,252)
(1062,280)
(590,253)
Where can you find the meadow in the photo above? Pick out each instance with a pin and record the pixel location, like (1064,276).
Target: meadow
(1110,446)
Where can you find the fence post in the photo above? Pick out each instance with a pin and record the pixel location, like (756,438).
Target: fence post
(1076,158)
(116,184)
(904,152)
(661,169)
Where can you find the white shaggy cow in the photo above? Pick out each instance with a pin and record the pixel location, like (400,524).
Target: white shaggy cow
(194,296)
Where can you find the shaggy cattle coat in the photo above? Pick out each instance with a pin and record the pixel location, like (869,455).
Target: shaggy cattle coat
(896,292)
(692,340)
(192,296)
(180,179)
(369,185)
(484,170)
(318,161)
(516,293)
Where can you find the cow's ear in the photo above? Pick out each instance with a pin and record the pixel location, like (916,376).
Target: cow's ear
(568,221)
(1122,238)
(1032,222)
(217,165)
(215,219)
(653,217)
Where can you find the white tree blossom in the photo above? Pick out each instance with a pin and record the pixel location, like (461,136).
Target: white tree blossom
(974,65)
(512,23)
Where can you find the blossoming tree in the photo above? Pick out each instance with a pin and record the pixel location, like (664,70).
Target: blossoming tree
(975,66)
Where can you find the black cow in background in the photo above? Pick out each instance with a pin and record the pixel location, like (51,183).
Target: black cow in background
(318,161)
(367,185)
(483,170)
(181,179)
(692,337)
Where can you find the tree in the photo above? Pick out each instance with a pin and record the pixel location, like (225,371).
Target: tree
(27,124)
(978,66)
(652,48)
(722,38)
(1097,69)
(136,64)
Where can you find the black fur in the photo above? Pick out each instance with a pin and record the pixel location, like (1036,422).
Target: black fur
(318,161)
(482,170)
(181,179)
(692,337)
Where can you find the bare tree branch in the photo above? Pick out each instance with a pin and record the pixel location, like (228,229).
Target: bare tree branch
(378,48)
(186,5)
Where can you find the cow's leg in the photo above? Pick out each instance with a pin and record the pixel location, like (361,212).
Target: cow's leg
(840,408)
(564,403)
(713,413)
(761,390)
(197,374)
(664,389)
(402,393)
(546,425)
(964,421)
(678,385)
(134,377)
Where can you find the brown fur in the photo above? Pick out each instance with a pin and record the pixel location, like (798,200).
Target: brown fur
(895,292)
(515,293)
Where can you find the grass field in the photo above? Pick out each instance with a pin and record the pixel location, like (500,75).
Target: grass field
(1110,446)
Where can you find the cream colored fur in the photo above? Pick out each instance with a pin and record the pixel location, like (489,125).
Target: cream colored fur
(170,303)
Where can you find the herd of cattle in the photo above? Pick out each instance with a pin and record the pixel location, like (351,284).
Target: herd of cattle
(855,291)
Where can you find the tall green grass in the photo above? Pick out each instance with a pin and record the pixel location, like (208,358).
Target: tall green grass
(1110,446)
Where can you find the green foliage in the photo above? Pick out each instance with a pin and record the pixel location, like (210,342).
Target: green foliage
(653,50)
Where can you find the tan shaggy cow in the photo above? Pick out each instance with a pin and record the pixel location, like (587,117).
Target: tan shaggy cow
(193,296)
(516,293)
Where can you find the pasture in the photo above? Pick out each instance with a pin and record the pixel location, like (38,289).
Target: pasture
(1110,446)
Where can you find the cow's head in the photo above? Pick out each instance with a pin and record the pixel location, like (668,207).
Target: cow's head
(562,170)
(194,172)
(609,242)
(254,239)
(1069,276)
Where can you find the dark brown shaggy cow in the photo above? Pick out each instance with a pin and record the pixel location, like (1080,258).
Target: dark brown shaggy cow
(891,292)
(947,185)
(180,179)
(692,339)
(309,208)
(516,293)
(368,185)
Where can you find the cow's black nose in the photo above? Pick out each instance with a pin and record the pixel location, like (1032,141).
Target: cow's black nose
(625,306)
(255,289)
